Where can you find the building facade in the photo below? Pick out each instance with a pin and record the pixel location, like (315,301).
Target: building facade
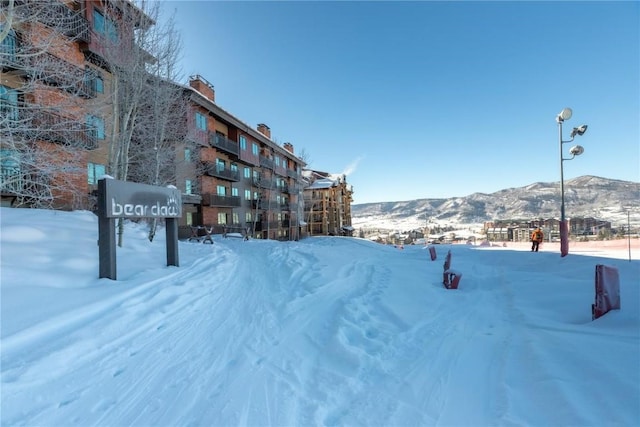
(327,204)
(520,230)
(55,86)
(58,72)
(239,180)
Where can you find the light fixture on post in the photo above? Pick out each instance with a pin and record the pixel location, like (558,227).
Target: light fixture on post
(576,150)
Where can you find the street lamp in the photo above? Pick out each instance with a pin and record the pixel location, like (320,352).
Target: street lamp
(576,150)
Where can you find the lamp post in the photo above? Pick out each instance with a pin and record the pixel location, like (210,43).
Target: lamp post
(576,150)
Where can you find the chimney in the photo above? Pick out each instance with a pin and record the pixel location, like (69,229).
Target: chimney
(264,129)
(203,86)
(288,146)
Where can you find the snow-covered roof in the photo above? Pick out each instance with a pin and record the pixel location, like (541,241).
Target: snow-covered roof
(321,184)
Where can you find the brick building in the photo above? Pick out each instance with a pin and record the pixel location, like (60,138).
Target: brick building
(239,180)
(56,101)
(54,85)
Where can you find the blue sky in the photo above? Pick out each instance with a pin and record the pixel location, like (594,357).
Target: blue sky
(428,99)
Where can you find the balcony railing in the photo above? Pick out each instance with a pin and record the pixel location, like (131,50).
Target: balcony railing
(292,174)
(9,60)
(264,225)
(11,180)
(228,174)
(284,188)
(52,127)
(60,17)
(222,143)
(209,199)
(58,72)
(263,182)
(265,162)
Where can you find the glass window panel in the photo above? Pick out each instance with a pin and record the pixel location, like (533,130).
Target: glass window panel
(98,22)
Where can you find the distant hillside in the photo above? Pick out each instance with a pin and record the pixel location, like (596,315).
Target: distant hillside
(591,196)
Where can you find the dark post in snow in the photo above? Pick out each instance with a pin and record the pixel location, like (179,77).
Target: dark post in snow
(106,235)
(121,199)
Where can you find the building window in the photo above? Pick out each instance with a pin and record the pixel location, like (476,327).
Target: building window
(188,187)
(247,173)
(98,83)
(243,142)
(98,21)
(255,149)
(8,45)
(236,218)
(96,126)
(201,121)
(234,191)
(187,155)
(220,165)
(95,172)
(8,103)
(221,190)
(277,161)
(234,167)
(104,26)
(222,218)
(189,218)
(247,217)
(247,194)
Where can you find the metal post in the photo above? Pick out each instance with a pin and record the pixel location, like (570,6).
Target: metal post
(564,232)
(629,231)
(561,173)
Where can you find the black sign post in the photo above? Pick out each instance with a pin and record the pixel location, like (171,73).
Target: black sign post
(121,199)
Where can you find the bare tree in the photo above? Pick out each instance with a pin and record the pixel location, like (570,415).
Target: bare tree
(43,134)
(143,55)
(304,156)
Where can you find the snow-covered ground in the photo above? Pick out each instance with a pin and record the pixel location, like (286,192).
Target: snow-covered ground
(325,331)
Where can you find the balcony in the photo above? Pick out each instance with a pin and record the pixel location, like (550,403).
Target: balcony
(9,47)
(55,128)
(11,180)
(292,174)
(284,188)
(263,183)
(210,199)
(265,225)
(222,143)
(67,21)
(227,174)
(57,72)
(265,162)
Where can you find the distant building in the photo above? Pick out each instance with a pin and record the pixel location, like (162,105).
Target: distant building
(516,230)
(327,204)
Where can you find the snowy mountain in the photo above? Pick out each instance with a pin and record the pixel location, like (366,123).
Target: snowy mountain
(588,196)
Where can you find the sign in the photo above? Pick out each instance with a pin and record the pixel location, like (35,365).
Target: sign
(122,199)
(134,200)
